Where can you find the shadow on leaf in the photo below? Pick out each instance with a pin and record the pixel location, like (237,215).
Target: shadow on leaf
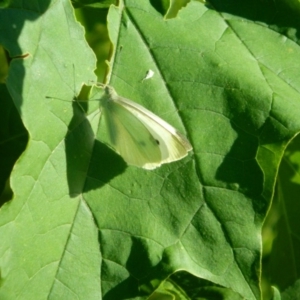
(90,163)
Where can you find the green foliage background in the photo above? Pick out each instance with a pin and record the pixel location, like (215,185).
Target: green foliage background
(81,224)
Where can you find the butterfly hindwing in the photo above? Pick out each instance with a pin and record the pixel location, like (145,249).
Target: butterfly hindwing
(173,145)
(130,138)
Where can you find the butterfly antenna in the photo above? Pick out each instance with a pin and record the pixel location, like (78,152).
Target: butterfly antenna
(56,98)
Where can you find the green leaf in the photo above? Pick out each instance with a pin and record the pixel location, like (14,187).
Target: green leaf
(84,225)
(292,292)
(276,295)
(282,261)
(49,243)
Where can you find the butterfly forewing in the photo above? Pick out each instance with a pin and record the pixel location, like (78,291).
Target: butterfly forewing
(173,145)
(129,137)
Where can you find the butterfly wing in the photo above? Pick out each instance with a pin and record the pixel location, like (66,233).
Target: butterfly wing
(173,145)
(129,137)
(139,136)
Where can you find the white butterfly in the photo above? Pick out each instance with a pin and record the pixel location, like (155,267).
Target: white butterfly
(139,136)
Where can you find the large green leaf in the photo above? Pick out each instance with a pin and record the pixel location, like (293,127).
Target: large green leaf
(84,225)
